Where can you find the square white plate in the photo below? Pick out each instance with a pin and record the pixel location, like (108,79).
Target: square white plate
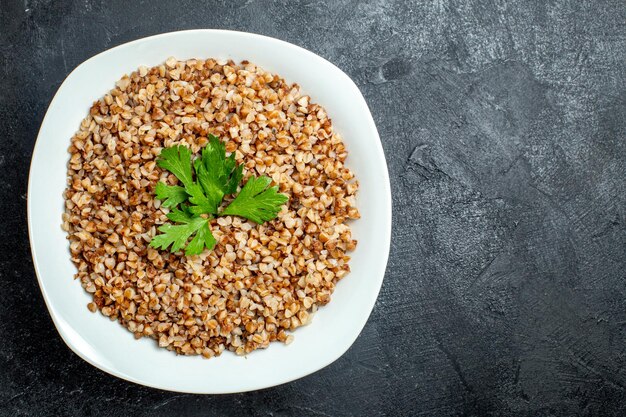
(110,347)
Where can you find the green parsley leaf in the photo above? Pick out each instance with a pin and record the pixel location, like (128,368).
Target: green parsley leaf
(177,160)
(217,174)
(257,201)
(236,176)
(215,177)
(171,195)
(201,204)
(204,238)
(180,215)
(177,235)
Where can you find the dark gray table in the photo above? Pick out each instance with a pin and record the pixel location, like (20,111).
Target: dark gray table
(504,125)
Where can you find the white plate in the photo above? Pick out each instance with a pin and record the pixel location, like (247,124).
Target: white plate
(110,347)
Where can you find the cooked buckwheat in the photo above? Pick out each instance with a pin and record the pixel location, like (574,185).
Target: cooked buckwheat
(260,281)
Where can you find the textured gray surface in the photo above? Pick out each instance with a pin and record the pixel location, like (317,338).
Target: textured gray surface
(504,127)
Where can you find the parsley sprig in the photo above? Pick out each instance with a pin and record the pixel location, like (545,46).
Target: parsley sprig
(199,197)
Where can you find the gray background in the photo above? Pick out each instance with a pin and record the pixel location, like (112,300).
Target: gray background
(504,129)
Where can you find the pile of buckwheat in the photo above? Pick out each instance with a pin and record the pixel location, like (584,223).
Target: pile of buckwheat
(260,281)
